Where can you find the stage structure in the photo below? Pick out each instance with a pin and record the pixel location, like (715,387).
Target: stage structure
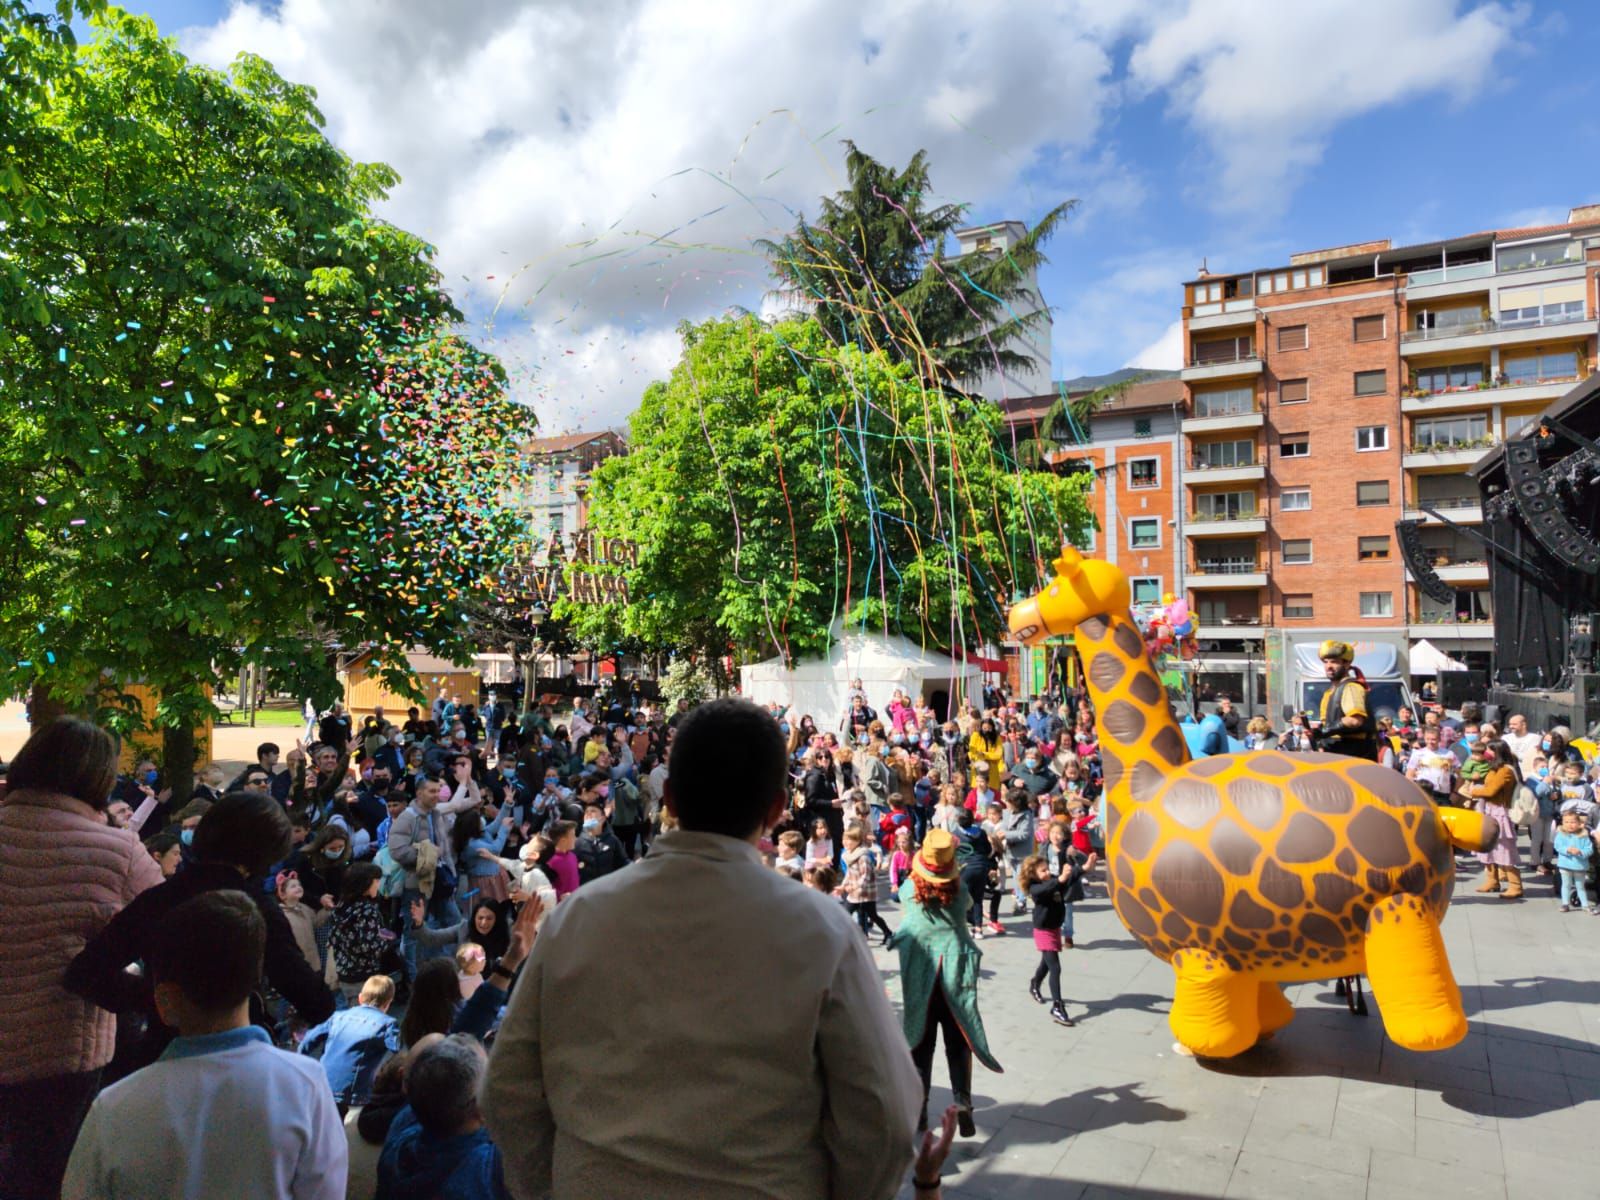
(1541,510)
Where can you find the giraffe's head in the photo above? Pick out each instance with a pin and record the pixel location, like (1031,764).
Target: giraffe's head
(1082,588)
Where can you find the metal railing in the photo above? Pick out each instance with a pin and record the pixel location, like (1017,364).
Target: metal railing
(1243,515)
(1460,618)
(1447,503)
(1227,566)
(1451,445)
(1231,410)
(1450,274)
(1198,465)
(1490,325)
(1490,385)
(1245,357)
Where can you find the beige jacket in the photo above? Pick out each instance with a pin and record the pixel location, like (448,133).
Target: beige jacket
(64,873)
(740,1048)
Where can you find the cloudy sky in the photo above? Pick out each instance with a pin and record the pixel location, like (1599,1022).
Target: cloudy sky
(595,171)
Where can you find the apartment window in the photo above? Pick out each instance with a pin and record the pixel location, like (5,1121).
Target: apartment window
(1533,368)
(1369,329)
(1144,533)
(1144,472)
(1283,281)
(1549,305)
(1229,402)
(1545,254)
(1240,453)
(1224,350)
(1146,589)
(1294,445)
(1297,607)
(1372,493)
(1370,549)
(1141,427)
(1445,321)
(558,522)
(1372,437)
(1455,377)
(1213,611)
(1445,432)
(1516,425)
(1294,499)
(1294,391)
(1292,337)
(1296,552)
(1371,383)
(1377,604)
(1224,506)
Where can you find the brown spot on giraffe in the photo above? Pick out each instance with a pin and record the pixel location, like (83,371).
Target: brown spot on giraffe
(1247,914)
(1281,887)
(1391,787)
(1122,722)
(1110,768)
(1272,763)
(1168,745)
(1323,792)
(1191,802)
(1205,768)
(1306,839)
(1123,872)
(1105,670)
(1261,804)
(1175,927)
(1134,915)
(1146,780)
(1139,833)
(1189,883)
(1234,849)
(1144,688)
(1345,861)
(1127,640)
(1378,839)
(1094,628)
(1333,892)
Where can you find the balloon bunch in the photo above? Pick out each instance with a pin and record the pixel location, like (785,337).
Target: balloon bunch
(1169,625)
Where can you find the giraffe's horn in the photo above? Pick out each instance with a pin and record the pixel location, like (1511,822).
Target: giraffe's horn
(1069,562)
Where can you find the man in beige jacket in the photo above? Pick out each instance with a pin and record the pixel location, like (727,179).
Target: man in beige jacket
(701,1026)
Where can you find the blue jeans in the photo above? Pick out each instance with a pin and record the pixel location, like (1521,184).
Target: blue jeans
(1066,925)
(1572,889)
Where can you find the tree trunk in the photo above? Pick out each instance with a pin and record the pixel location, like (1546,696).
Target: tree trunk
(44,706)
(177,757)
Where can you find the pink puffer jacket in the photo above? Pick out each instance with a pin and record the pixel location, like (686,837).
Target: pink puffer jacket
(64,873)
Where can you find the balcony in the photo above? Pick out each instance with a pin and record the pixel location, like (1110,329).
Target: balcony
(1223,314)
(1502,391)
(1490,332)
(1446,454)
(1229,627)
(1199,473)
(1457,568)
(1246,418)
(1226,573)
(1239,366)
(1463,510)
(1236,525)
(1449,281)
(1438,627)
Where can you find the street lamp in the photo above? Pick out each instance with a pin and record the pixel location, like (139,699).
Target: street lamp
(1250,650)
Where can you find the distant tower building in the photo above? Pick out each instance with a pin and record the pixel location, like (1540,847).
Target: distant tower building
(1034,380)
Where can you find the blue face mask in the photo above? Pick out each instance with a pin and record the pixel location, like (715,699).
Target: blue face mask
(783,727)
(1470,738)
(187,837)
(150,777)
(1545,745)
(1542,772)
(591,824)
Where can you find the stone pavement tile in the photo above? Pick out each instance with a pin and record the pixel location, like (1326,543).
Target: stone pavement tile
(1306,1149)
(1017,1161)
(1464,1066)
(1299,1104)
(1580,1064)
(1544,1087)
(1457,1106)
(1526,1055)
(1260,1177)
(1180,1174)
(1100,1158)
(1538,1172)
(1477,1149)
(1376,1115)
(1213,1134)
(1406,1177)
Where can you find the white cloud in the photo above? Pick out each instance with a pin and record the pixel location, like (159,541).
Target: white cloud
(1119,316)
(1163,354)
(1265,84)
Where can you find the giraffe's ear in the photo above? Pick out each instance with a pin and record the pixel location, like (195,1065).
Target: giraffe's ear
(1069,562)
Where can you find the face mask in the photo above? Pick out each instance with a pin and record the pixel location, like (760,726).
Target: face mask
(898,740)
(327,853)
(1030,762)
(150,777)
(397,739)
(550,781)
(1470,738)
(1545,745)
(187,837)
(591,824)
(380,785)
(1543,771)
(783,727)
(603,790)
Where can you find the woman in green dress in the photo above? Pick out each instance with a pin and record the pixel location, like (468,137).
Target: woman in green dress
(939,973)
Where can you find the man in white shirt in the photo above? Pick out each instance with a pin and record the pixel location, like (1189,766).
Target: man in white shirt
(745,1049)
(1432,767)
(222,1112)
(1523,744)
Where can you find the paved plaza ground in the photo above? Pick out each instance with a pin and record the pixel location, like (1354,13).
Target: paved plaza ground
(1329,1108)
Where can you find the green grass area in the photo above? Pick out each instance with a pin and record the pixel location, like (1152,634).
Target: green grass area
(284,718)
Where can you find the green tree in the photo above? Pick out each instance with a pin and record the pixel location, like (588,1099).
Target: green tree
(778,482)
(1066,422)
(223,386)
(873,269)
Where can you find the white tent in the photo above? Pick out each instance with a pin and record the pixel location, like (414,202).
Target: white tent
(1428,659)
(821,687)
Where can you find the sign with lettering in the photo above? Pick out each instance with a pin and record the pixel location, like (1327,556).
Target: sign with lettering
(587,573)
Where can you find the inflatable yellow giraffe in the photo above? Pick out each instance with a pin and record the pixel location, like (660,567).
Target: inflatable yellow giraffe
(1247,871)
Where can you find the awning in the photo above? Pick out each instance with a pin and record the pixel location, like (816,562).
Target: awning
(1428,659)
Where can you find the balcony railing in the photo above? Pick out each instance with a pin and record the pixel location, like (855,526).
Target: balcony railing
(1249,514)
(1198,465)
(1227,566)
(1488,385)
(1445,558)
(1490,325)
(1447,504)
(1451,274)
(1245,356)
(1204,412)
(1246,621)
(1451,445)
(1443,618)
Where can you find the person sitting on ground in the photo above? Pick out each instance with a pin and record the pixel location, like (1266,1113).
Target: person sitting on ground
(355,1041)
(437,1145)
(224,1113)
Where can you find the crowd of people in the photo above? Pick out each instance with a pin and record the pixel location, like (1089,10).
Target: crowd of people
(327,950)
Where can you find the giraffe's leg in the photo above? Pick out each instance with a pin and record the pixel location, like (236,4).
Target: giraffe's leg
(1273,1009)
(1213,1008)
(1410,975)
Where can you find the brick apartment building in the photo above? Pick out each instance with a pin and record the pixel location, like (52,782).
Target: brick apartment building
(1326,399)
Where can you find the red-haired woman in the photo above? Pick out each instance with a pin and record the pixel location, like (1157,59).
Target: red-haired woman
(939,973)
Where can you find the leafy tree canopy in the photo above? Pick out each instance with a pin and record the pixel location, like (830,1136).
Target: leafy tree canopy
(778,482)
(874,270)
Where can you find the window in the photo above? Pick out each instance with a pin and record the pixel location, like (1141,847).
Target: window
(1240,453)
(1296,551)
(1545,254)
(1562,364)
(1372,437)
(558,521)
(1371,383)
(1443,433)
(1295,499)
(1369,329)
(1224,506)
(1372,493)
(1293,391)
(1551,305)
(1292,337)
(1377,604)
(1146,589)
(1456,377)
(1370,549)
(1141,427)
(1517,425)
(1213,610)
(1447,321)
(1283,281)
(1297,607)
(1144,533)
(1207,293)
(1229,402)
(1294,445)
(1224,350)
(1144,472)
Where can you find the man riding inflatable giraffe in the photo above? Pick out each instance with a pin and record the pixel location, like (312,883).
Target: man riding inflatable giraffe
(1248,871)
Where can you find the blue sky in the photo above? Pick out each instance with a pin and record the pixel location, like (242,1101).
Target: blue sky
(546,148)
